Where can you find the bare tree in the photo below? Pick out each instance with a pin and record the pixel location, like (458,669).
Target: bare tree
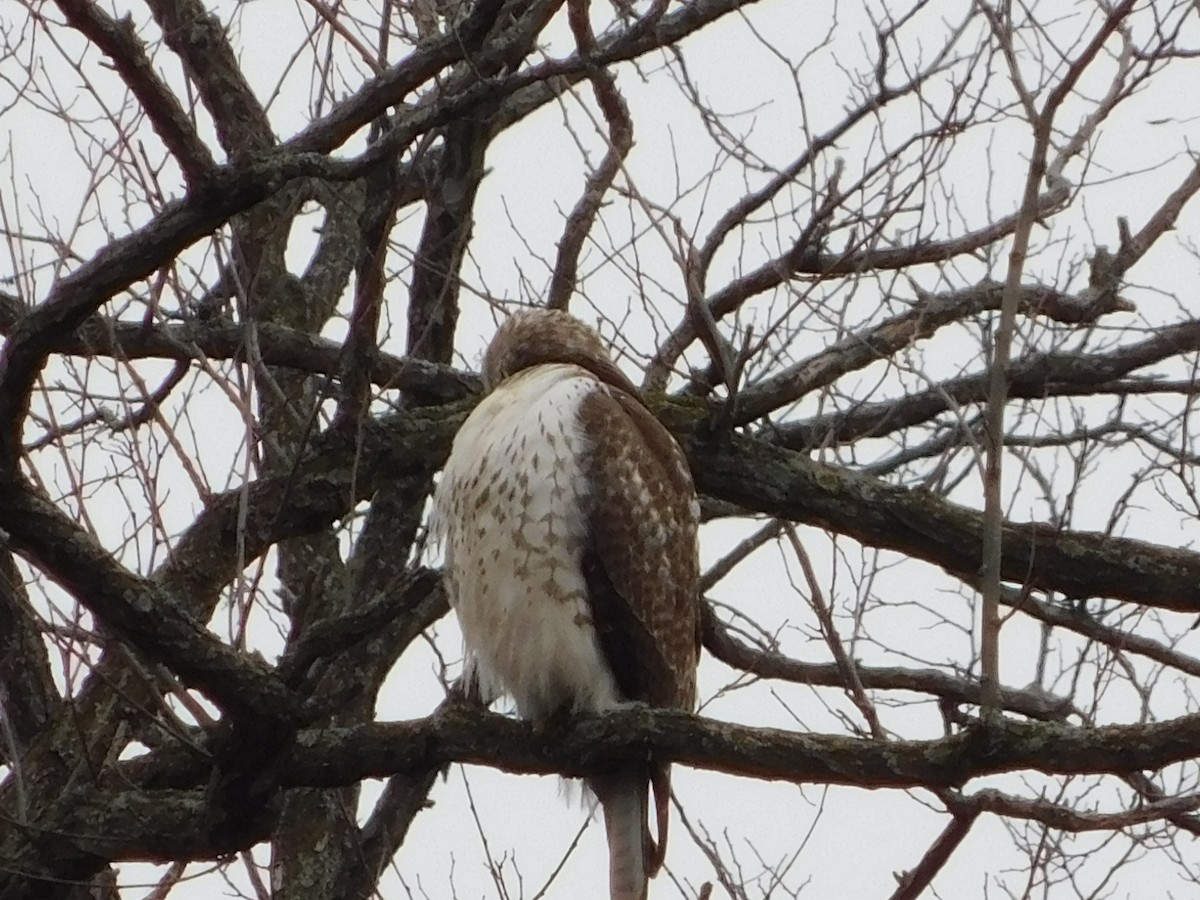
(913,284)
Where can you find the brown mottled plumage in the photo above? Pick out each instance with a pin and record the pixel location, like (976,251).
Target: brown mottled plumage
(569,522)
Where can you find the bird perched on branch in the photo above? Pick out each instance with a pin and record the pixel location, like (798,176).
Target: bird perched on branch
(569,519)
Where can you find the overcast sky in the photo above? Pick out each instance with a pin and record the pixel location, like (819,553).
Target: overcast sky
(778,73)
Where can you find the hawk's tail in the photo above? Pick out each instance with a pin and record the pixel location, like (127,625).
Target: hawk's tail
(633,855)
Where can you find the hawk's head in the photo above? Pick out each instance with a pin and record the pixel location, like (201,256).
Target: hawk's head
(535,337)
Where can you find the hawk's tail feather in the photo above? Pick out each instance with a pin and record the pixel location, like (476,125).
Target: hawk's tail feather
(660,781)
(625,803)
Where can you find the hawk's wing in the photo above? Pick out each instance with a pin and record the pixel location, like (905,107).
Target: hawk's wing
(641,563)
(641,566)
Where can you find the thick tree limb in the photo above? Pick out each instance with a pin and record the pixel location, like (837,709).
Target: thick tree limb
(142,611)
(28,696)
(277,345)
(468,735)
(758,476)
(119,42)
(200,41)
(166,824)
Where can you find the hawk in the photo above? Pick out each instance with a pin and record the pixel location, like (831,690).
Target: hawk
(568,519)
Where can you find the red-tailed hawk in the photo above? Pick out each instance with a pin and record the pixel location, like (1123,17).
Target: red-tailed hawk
(568,517)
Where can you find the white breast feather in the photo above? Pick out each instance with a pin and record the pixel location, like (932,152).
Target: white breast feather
(509,512)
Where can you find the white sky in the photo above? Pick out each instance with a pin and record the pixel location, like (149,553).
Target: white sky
(848,842)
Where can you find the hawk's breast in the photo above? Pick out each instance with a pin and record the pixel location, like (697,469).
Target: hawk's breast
(511,512)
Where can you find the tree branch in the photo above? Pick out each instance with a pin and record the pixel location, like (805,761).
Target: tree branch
(119,42)
(757,476)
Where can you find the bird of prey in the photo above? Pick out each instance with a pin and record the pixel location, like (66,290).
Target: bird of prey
(568,519)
